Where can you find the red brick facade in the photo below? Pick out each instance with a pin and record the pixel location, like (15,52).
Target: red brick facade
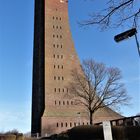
(60,113)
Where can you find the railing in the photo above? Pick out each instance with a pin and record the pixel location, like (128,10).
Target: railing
(126,121)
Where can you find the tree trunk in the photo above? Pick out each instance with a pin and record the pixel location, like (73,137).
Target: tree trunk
(91,119)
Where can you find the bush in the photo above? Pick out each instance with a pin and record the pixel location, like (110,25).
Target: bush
(11,135)
(7,137)
(13,132)
(29,138)
(19,136)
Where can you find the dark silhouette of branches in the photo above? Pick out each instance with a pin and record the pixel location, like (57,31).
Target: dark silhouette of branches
(118,12)
(97,87)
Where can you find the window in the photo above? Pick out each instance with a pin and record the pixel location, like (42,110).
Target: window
(63,102)
(74,123)
(58,56)
(58,78)
(59,89)
(62,66)
(54,89)
(71,102)
(54,66)
(70,124)
(61,124)
(60,36)
(63,89)
(57,45)
(67,102)
(59,103)
(58,66)
(66,124)
(53,35)
(61,46)
(57,125)
(54,45)
(55,102)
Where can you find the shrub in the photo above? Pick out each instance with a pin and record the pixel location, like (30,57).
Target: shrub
(13,132)
(7,137)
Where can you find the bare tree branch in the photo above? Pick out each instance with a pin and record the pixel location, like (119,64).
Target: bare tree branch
(98,87)
(117,13)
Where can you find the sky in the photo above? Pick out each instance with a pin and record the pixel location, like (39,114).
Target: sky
(16,49)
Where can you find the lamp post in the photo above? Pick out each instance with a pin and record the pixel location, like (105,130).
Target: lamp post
(138,46)
(127,34)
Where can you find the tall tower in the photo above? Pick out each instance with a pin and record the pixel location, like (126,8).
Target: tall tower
(54,58)
(60,58)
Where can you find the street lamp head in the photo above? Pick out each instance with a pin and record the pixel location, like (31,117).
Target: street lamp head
(125,35)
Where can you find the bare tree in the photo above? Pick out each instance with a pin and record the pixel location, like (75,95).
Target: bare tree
(116,13)
(97,87)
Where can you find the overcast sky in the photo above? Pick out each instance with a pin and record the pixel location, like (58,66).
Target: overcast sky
(16,49)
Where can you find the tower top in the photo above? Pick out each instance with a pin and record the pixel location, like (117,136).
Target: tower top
(62,1)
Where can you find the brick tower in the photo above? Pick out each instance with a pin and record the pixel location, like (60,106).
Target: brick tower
(54,58)
(60,58)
